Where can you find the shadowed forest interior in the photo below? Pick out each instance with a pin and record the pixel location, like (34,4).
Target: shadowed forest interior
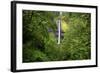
(40,36)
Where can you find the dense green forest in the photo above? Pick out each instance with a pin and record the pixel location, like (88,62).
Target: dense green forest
(40,36)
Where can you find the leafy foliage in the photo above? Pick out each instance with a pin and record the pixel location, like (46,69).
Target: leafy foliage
(41,45)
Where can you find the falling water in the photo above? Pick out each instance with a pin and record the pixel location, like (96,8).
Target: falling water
(59,27)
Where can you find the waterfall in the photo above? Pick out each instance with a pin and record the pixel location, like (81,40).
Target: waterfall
(59,27)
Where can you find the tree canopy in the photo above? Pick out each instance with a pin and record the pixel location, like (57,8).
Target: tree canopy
(40,40)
